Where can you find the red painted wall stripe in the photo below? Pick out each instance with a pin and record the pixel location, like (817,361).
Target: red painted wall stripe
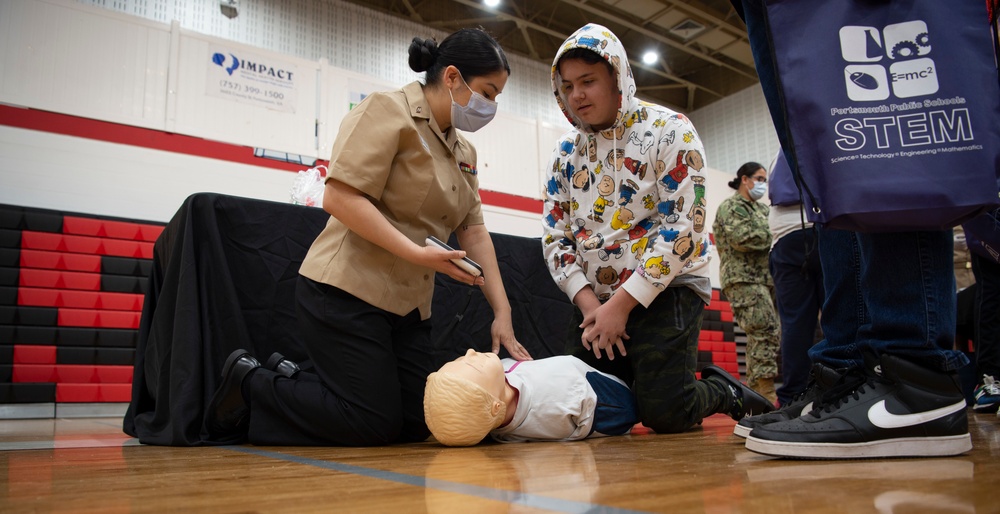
(45,121)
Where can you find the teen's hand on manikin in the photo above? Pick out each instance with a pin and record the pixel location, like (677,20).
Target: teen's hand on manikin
(604,329)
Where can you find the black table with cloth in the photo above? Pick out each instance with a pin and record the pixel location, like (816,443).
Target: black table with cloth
(224,275)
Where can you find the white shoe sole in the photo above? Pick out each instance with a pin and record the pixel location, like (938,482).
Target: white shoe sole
(902,447)
(985,409)
(741,431)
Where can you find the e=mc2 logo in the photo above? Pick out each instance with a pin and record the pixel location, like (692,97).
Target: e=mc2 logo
(909,74)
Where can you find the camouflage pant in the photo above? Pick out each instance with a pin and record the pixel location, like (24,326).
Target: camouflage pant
(753,311)
(661,362)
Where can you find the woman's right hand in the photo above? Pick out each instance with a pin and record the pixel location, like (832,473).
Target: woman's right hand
(439,260)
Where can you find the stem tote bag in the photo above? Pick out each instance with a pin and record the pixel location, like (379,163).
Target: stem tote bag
(891,108)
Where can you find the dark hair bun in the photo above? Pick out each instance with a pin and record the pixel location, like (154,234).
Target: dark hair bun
(735,183)
(423,53)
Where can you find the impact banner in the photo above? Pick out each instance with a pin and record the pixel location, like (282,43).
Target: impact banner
(893,109)
(251,79)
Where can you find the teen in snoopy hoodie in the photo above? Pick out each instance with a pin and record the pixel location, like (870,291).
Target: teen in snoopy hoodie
(625,207)
(625,217)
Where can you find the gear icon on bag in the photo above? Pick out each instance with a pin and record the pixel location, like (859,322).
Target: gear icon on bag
(905,50)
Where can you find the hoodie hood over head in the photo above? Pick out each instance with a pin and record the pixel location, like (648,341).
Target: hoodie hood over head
(603,42)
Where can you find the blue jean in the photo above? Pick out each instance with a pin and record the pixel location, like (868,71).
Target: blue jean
(798,286)
(891,293)
(987,316)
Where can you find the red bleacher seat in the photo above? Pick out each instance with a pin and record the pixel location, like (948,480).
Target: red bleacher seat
(59,279)
(711,335)
(87,393)
(30,354)
(79,299)
(85,245)
(60,261)
(122,248)
(718,357)
(150,232)
(82,226)
(72,373)
(59,243)
(75,225)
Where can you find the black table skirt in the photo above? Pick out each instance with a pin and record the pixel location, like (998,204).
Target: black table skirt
(223,277)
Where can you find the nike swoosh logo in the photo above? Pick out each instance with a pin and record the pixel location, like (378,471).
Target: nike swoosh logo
(806,409)
(882,418)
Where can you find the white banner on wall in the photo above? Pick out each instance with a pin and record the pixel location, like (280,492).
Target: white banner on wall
(247,78)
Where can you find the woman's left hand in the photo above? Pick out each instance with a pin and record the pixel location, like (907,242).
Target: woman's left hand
(502,332)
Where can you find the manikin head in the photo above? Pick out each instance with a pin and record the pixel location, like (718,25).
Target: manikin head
(462,400)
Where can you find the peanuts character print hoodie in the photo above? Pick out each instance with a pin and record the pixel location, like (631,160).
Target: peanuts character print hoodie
(625,207)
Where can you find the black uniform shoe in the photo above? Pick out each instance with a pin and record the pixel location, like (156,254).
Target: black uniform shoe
(744,401)
(228,413)
(821,378)
(278,363)
(901,410)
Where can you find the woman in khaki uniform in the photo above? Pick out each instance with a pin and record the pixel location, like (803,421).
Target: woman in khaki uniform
(399,173)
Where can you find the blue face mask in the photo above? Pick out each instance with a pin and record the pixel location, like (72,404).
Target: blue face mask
(473,116)
(758,190)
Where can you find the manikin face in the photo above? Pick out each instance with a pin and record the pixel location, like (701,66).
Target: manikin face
(591,92)
(483,369)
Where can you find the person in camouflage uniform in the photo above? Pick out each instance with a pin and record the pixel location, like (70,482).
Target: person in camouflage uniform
(743,239)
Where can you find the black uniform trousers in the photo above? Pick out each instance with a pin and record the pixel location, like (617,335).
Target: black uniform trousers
(367,384)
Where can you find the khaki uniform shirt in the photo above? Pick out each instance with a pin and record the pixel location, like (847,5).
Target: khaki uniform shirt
(422,181)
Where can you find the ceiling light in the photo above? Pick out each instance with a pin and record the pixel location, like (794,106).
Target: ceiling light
(491,3)
(650,57)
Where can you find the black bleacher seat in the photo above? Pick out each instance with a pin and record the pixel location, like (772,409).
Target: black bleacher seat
(27,393)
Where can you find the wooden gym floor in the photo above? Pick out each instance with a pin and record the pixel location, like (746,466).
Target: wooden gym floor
(89,465)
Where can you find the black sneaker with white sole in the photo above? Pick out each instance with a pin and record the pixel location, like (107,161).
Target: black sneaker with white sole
(821,379)
(902,409)
(743,401)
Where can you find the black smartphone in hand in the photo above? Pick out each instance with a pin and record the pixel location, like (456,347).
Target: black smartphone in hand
(468,265)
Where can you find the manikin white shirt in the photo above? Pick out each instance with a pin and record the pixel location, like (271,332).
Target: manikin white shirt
(556,401)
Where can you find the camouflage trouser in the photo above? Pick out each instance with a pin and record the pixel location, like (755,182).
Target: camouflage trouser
(661,362)
(753,311)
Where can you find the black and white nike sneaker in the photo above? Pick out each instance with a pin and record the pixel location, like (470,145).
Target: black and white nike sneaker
(821,379)
(900,410)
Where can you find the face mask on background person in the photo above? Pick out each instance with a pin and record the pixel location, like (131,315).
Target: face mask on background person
(473,116)
(758,190)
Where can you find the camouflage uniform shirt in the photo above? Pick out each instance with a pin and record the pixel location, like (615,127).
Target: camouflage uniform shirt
(743,240)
